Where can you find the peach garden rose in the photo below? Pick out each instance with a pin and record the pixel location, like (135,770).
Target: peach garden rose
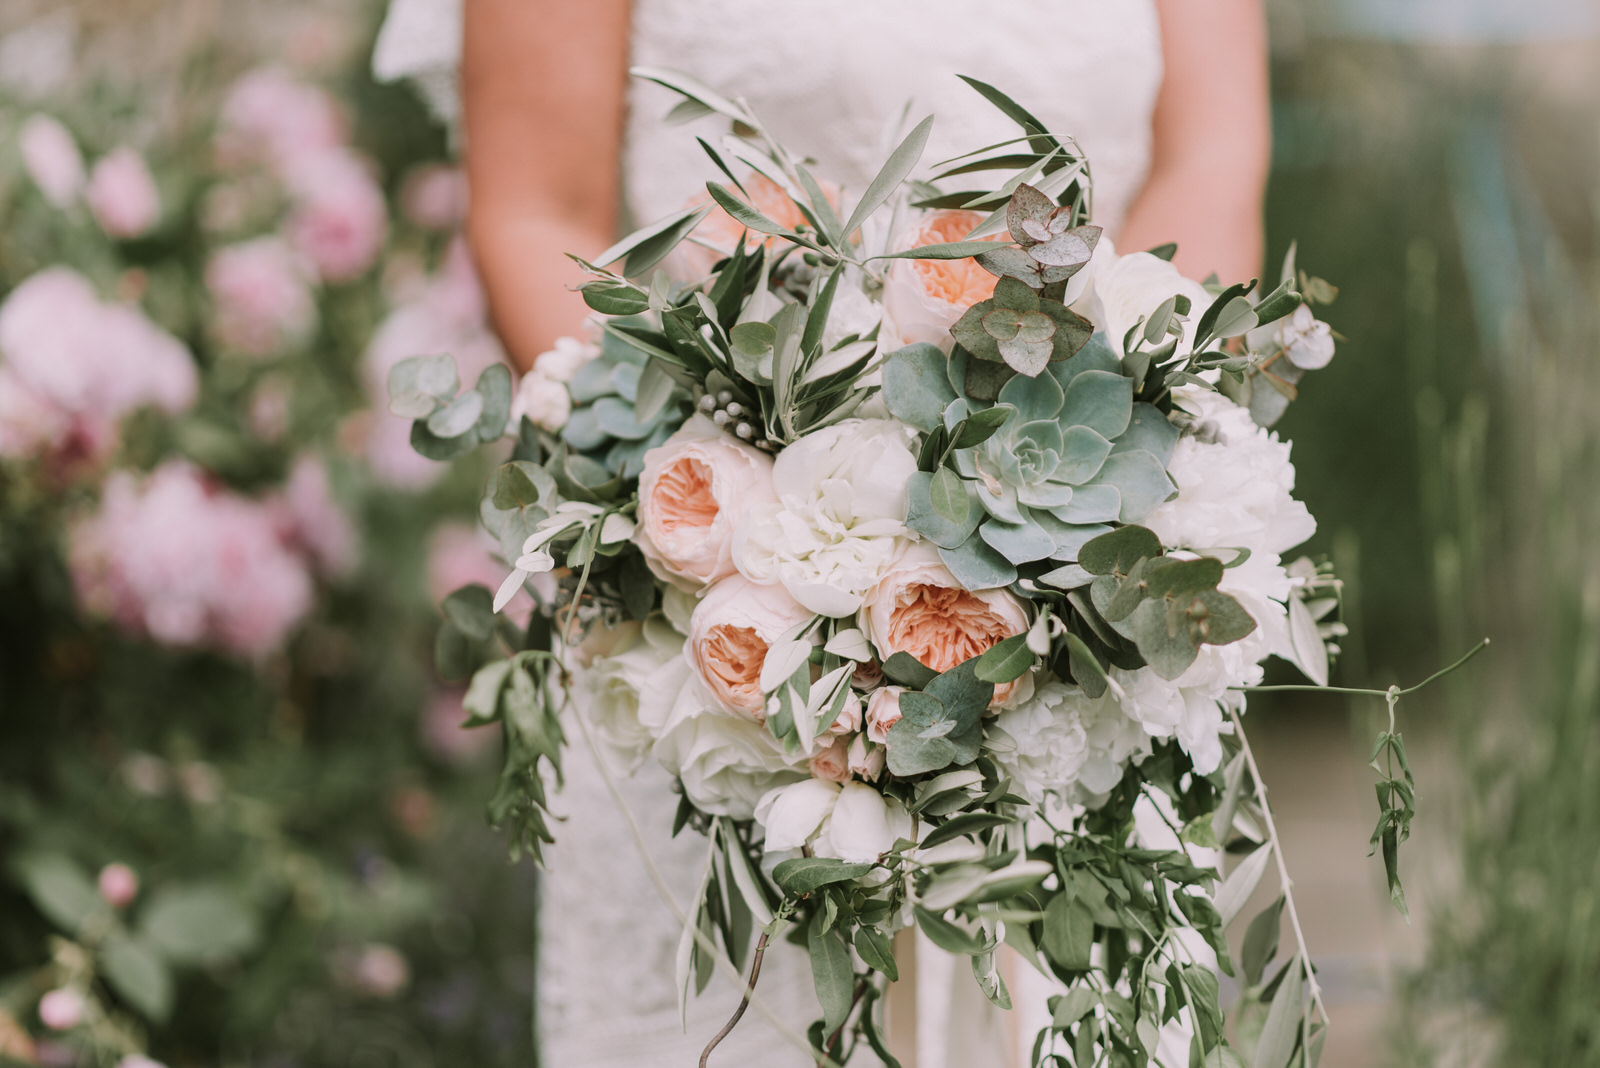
(692,490)
(922,298)
(919,608)
(729,634)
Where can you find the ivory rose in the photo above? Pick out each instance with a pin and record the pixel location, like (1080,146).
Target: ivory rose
(851,822)
(726,763)
(1123,289)
(543,400)
(922,298)
(692,490)
(729,635)
(919,608)
(122,194)
(839,521)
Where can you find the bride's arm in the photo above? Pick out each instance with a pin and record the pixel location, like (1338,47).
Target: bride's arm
(542,85)
(1213,141)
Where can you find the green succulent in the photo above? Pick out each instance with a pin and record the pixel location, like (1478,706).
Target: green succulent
(1026,481)
(606,423)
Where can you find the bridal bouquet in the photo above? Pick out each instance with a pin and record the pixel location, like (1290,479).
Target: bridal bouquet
(928,542)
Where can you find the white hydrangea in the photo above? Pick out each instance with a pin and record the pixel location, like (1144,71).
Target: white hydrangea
(1064,743)
(1195,715)
(610,688)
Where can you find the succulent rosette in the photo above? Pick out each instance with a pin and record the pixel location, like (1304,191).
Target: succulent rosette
(933,526)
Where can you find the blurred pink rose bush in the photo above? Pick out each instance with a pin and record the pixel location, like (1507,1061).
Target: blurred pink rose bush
(187,563)
(261,296)
(72,366)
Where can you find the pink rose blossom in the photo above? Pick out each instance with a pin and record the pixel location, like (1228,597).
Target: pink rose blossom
(74,366)
(434,197)
(271,116)
(866,760)
(730,633)
(832,762)
(123,195)
(340,218)
(883,712)
(313,520)
(262,296)
(51,158)
(174,558)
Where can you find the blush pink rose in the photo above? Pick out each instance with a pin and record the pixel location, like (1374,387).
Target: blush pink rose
(122,194)
(340,219)
(883,712)
(866,760)
(693,490)
(729,634)
(51,158)
(919,608)
(832,762)
(261,294)
(923,298)
(271,116)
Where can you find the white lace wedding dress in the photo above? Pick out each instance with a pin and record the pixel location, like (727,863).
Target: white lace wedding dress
(832,79)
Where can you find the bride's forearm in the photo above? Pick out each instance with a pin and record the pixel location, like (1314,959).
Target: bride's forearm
(530,283)
(1212,141)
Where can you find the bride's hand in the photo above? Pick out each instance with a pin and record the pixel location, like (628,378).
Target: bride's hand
(1212,141)
(542,86)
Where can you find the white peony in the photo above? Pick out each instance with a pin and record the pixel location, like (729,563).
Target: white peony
(839,521)
(1235,483)
(609,692)
(1195,715)
(544,400)
(1121,290)
(853,822)
(1065,743)
(726,763)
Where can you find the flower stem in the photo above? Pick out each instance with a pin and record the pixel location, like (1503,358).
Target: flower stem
(1276,845)
(744,1002)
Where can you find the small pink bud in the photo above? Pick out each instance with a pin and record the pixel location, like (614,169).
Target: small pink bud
(119,885)
(61,1010)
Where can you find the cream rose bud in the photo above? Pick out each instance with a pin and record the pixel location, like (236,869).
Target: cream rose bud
(832,762)
(692,491)
(883,712)
(923,298)
(919,608)
(726,763)
(544,400)
(863,825)
(1121,290)
(564,361)
(729,635)
(839,518)
(866,762)
(792,814)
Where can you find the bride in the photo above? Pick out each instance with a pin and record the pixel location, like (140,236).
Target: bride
(1167,97)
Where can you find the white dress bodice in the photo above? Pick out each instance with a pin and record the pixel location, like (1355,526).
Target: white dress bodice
(840,81)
